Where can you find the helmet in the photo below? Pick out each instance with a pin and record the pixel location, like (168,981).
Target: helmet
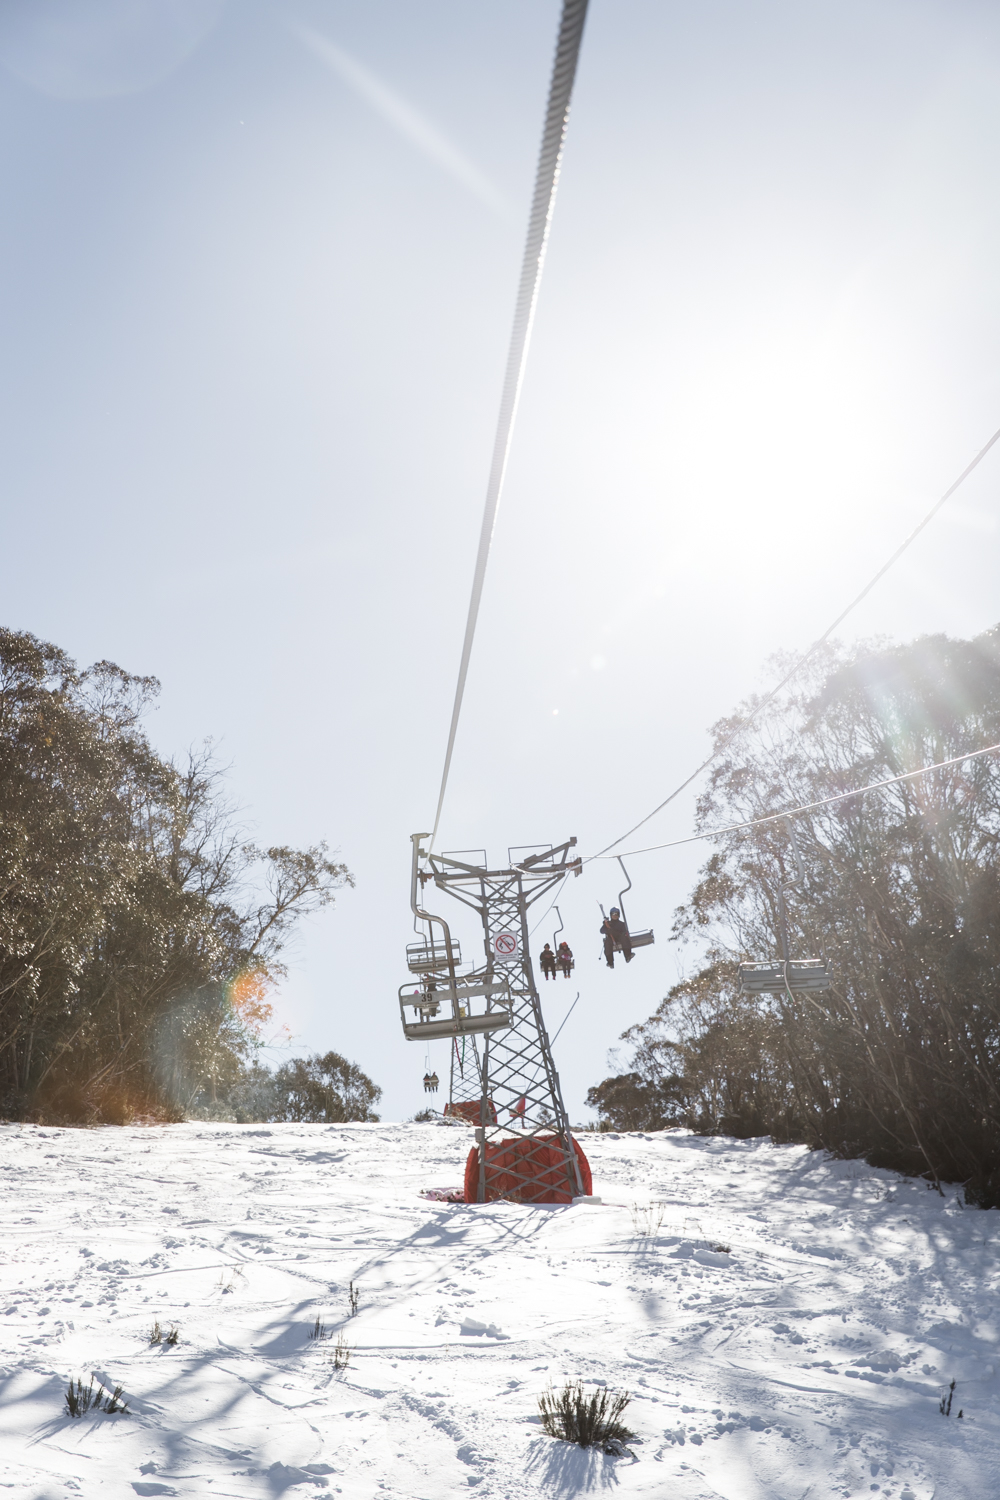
(615,912)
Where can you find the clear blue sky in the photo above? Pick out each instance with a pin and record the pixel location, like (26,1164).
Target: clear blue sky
(257,265)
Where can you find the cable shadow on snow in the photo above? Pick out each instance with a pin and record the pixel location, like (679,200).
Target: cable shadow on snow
(448,1230)
(242,1398)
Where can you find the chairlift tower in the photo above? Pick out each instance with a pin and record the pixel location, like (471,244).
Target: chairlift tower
(523,1134)
(465,1080)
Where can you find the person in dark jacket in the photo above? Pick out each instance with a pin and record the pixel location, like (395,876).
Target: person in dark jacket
(564,957)
(616,937)
(547,959)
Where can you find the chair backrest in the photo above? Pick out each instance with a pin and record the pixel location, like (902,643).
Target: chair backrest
(425,958)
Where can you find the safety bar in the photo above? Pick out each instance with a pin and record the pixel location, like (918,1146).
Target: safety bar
(429,917)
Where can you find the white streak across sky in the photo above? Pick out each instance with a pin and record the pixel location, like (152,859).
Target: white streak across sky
(406,120)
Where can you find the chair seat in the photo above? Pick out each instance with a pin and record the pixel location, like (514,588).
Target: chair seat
(779,978)
(418,1031)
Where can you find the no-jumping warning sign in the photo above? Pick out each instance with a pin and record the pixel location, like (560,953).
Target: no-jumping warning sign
(506,946)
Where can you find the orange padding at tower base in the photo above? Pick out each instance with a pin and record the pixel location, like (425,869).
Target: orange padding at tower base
(529,1170)
(470,1110)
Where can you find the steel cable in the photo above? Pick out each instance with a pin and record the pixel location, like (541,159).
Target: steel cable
(797,667)
(794,812)
(574,13)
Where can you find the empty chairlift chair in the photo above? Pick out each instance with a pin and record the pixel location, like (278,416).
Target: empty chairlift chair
(430,957)
(447,1003)
(787,976)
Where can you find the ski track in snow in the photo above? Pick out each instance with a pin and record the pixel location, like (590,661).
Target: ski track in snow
(805,1362)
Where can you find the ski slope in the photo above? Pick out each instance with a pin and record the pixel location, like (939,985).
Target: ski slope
(805,1359)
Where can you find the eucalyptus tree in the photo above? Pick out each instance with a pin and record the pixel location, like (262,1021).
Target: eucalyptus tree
(901,895)
(140,927)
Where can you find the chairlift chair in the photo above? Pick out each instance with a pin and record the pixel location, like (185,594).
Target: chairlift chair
(444,1009)
(430,957)
(644,937)
(447,1003)
(787,975)
(566,967)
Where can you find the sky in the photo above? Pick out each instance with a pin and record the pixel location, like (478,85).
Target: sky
(257,272)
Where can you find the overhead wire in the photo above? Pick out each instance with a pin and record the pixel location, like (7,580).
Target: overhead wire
(821,640)
(564,1020)
(574,13)
(794,812)
(551,904)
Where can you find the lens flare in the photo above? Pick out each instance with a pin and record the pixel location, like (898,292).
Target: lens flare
(247,994)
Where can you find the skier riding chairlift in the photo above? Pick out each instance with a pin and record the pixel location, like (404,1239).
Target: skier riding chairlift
(564,958)
(615,932)
(547,960)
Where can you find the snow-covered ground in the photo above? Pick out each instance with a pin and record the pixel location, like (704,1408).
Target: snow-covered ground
(806,1358)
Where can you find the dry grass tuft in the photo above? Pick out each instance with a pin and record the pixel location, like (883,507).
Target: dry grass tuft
(82,1398)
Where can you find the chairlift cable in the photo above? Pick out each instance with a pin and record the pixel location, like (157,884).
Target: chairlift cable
(797,667)
(551,904)
(574,13)
(794,812)
(564,1020)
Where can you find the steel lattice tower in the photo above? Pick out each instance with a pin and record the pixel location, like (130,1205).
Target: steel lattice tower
(466,1078)
(518,1086)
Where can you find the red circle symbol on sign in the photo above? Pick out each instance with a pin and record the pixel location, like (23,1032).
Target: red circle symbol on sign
(505,944)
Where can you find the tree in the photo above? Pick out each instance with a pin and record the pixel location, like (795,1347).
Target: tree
(898,1061)
(327,1088)
(140,929)
(636,1101)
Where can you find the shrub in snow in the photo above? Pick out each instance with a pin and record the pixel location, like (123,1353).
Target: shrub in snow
(591,1421)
